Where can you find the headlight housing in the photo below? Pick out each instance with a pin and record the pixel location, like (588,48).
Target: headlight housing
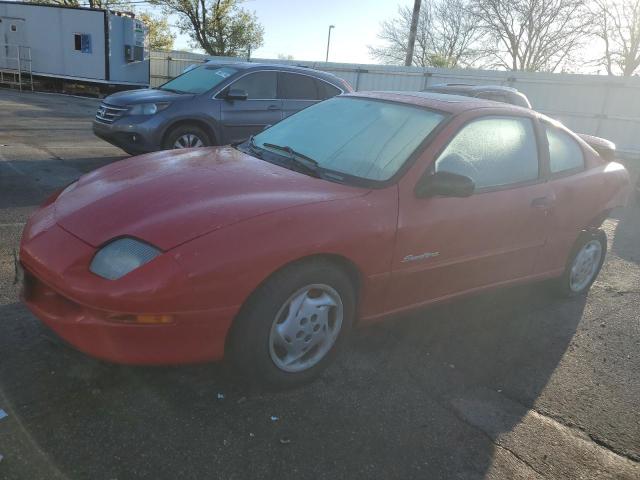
(147,108)
(122,256)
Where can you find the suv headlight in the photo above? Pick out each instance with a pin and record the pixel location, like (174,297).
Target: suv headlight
(147,108)
(122,256)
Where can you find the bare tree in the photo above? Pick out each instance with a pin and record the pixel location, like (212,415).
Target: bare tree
(219,27)
(618,26)
(445,36)
(533,35)
(412,32)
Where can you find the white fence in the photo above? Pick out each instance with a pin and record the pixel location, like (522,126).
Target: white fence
(595,104)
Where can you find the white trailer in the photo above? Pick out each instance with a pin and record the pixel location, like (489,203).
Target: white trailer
(81,44)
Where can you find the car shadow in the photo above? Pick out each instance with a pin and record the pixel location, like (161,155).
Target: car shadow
(27,183)
(385,409)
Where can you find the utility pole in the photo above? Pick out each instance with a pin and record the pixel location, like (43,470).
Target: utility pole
(412,32)
(329,41)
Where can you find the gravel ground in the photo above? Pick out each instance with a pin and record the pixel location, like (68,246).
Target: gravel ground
(507,384)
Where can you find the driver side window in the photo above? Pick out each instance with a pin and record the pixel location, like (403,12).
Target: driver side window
(258,85)
(493,152)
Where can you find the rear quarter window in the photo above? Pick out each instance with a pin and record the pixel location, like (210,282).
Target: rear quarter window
(564,152)
(326,90)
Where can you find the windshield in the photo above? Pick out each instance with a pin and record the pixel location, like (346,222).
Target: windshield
(363,138)
(199,80)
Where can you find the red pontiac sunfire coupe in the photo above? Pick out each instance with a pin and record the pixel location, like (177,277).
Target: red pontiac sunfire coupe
(268,252)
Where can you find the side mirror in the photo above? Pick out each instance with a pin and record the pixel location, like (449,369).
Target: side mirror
(236,94)
(446,184)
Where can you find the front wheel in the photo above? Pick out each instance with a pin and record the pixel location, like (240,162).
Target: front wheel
(584,264)
(293,325)
(186,136)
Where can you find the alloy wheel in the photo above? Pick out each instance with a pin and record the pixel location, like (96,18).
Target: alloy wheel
(188,140)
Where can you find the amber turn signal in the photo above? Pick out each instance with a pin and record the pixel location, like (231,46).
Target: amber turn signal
(142,319)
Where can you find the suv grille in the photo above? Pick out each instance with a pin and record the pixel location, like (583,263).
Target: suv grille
(109,113)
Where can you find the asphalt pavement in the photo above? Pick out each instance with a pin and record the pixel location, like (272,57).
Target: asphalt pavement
(508,384)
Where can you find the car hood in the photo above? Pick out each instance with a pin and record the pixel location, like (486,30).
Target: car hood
(147,95)
(167,198)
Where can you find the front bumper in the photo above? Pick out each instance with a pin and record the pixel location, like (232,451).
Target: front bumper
(192,337)
(134,138)
(87,310)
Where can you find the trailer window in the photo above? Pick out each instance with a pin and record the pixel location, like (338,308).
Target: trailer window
(82,42)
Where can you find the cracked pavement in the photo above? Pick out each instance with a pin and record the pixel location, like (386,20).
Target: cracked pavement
(508,384)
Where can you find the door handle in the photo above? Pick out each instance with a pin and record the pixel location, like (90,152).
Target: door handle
(273,107)
(541,202)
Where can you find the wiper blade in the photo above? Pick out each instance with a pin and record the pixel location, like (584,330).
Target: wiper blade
(254,148)
(299,159)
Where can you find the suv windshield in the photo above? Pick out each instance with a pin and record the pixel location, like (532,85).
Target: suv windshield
(199,79)
(363,138)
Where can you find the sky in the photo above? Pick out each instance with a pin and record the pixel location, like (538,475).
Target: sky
(299,28)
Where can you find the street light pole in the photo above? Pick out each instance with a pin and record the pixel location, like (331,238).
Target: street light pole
(329,41)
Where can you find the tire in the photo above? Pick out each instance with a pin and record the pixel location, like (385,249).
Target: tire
(257,348)
(567,285)
(191,135)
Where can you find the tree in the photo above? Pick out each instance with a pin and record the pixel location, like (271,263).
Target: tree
(445,36)
(617,24)
(219,27)
(532,35)
(159,34)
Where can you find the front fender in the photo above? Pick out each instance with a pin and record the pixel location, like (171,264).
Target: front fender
(210,122)
(226,266)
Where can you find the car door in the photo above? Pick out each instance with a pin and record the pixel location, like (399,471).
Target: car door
(575,203)
(448,245)
(297,91)
(242,118)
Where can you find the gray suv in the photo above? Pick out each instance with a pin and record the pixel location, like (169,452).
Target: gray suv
(212,104)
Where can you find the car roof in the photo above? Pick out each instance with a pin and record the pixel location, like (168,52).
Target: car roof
(278,66)
(440,101)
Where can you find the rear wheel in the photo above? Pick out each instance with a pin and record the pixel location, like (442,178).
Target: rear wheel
(186,136)
(293,325)
(584,264)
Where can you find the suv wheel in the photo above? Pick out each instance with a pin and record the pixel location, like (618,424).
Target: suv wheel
(186,136)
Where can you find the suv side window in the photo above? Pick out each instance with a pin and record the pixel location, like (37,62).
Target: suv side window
(564,152)
(326,90)
(493,152)
(292,86)
(258,85)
